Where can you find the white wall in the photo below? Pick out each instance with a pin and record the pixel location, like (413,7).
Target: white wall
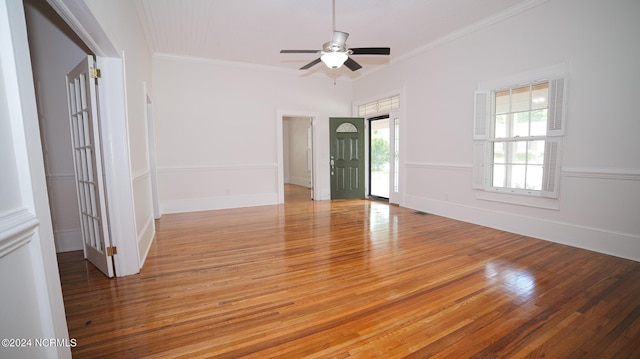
(599,202)
(31,305)
(296,152)
(120,21)
(53,55)
(216,130)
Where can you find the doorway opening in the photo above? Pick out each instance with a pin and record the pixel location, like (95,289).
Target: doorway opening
(380,168)
(297,152)
(383,172)
(55,49)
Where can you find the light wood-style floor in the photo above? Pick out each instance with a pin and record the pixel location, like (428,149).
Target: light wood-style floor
(348,279)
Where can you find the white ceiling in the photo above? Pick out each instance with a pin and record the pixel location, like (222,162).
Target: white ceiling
(254,31)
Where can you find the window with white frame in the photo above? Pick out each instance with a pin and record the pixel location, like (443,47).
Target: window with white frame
(518,132)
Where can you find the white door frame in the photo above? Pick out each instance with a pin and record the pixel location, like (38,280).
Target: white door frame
(395,197)
(398,197)
(280,144)
(26,229)
(115,131)
(151,153)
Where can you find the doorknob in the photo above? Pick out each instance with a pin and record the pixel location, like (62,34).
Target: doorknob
(332,163)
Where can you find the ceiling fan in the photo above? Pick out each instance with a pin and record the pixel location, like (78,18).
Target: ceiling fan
(335,53)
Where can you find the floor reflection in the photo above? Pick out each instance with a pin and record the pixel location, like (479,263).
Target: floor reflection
(515,280)
(383,227)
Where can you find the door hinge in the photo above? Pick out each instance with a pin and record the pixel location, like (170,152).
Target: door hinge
(111,251)
(94,72)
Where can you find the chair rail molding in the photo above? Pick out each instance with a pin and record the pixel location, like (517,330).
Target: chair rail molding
(16,230)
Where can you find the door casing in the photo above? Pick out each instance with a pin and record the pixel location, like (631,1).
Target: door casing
(316,184)
(370,153)
(112,97)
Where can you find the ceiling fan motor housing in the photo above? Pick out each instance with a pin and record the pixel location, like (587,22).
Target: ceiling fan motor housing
(335,53)
(332,47)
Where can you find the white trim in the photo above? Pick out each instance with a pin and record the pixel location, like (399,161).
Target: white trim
(206,60)
(519,199)
(243,65)
(68,240)
(467,30)
(395,92)
(486,22)
(112,97)
(16,230)
(299,181)
(317,164)
(481,114)
(482,168)
(216,167)
(19,90)
(140,175)
(395,197)
(118,176)
(624,245)
(603,173)
(82,21)
(524,77)
(151,152)
(212,201)
(622,174)
(218,202)
(440,166)
(144,248)
(397,113)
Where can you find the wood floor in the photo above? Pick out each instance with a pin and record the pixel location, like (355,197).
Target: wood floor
(354,278)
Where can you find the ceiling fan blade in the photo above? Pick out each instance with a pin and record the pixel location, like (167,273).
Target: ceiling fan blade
(310,64)
(299,51)
(339,38)
(371,51)
(352,65)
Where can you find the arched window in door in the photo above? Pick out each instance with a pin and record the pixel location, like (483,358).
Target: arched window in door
(346,127)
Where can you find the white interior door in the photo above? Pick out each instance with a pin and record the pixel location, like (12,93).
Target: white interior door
(85,137)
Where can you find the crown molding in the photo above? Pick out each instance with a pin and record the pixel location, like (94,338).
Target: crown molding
(243,65)
(467,30)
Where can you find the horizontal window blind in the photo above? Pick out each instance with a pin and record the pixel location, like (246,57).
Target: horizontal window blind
(378,106)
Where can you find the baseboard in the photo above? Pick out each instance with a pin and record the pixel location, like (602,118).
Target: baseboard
(145,239)
(220,202)
(68,240)
(300,181)
(622,245)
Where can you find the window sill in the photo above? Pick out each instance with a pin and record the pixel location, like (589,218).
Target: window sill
(519,199)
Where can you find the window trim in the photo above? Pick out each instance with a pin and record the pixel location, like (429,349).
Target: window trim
(378,106)
(484,124)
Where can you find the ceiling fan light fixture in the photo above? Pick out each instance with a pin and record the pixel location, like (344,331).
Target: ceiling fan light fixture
(334,60)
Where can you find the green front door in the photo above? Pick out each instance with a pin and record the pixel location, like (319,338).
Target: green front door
(347,157)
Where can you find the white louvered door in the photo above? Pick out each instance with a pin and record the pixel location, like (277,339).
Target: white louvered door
(87,157)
